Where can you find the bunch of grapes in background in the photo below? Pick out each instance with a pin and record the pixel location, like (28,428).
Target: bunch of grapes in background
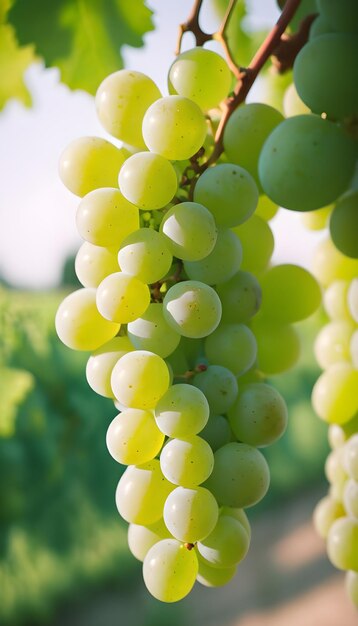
(183,315)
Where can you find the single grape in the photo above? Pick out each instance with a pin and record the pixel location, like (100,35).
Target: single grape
(342,543)
(174,127)
(221,264)
(219,386)
(79,324)
(133,437)
(350,457)
(145,254)
(141,493)
(298,165)
(317,220)
(192,308)
(187,462)
(332,343)
(216,432)
(104,217)
(352,297)
(94,263)
(336,436)
(121,102)
(240,297)
(122,297)
(190,514)
(211,576)
(148,180)
(266,209)
(239,515)
(232,346)
(278,345)
(229,192)
(182,411)
(142,538)
(101,363)
(342,16)
(350,498)
(335,300)
(200,75)
(329,264)
(257,244)
(240,477)
(89,163)
(140,379)
(326,512)
(353,349)
(170,570)
(289,293)
(152,332)
(189,230)
(227,544)
(334,396)
(343,224)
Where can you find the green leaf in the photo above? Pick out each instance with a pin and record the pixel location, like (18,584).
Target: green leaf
(81,37)
(15,384)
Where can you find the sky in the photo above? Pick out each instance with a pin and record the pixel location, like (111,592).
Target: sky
(37,213)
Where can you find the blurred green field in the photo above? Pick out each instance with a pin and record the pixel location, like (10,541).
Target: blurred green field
(60,535)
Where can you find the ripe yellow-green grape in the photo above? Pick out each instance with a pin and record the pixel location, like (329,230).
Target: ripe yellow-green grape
(79,324)
(221,264)
(227,544)
(278,345)
(336,436)
(174,127)
(232,346)
(170,570)
(101,363)
(335,472)
(190,514)
(342,543)
(335,300)
(326,512)
(317,220)
(350,457)
(151,332)
(350,498)
(266,209)
(334,395)
(329,264)
(145,254)
(239,515)
(240,297)
(352,297)
(189,230)
(139,379)
(257,244)
(122,297)
(89,163)
(94,263)
(219,386)
(187,462)
(104,217)
(211,576)
(332,343)
(192,308)
(182,411)
(142,538)
(141,493)
(148,180)
(133,437)
(200,75)
(121,102)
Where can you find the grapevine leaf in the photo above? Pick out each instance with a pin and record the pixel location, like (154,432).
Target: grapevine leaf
(82,37)
(15,384)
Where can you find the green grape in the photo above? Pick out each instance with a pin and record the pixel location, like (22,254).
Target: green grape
(240,297)
(227,544)
(312,72)
(189,230)
(332,343)
(79,325)
(350,498)
(240,477)
(178,361)
(353,348)
(104,217)
(142,538)
(298,165)
(219,386)
(352,297)
(342,16)
(292,103)
(133,437)
(259,415)
(335,473)
(329,264)
(278,345)
(140,379)
(122,297)
(221,264)
(229,192)
(320,27)
(257,244)
(193,350)
(190,514)
(216,432)
(336,436)
(101,363)
(335,300)
(334,396)
(289,293)
(343,225)
(342,543)
(192,308)
(350,457)
(142,492)
(94,263)
(145,254)
(266,209)
(210,576)
(148,180)
(174,127)
(239,515)
(233,346)
(317,220)
(187,462)
(182,411)
(326,512)
(89,163)
(151,332)
(201,75)
(170,570)
(246,132)
(351,584)
(121,102)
